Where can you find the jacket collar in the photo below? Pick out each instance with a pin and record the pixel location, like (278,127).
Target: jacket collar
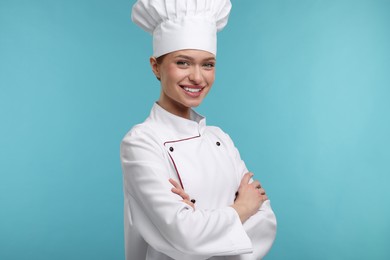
(171,127)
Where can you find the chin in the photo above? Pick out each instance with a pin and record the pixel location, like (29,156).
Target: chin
(193,104)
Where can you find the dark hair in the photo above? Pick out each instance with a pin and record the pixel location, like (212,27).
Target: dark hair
(160,59)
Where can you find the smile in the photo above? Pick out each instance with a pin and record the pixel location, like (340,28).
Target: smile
(192,90)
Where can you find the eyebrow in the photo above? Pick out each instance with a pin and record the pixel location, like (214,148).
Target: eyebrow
(191,59)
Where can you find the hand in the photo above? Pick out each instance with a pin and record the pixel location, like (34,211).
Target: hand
(250,197)
(177,189)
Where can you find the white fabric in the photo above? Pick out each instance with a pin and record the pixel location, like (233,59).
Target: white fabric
(158,225)
(182,24)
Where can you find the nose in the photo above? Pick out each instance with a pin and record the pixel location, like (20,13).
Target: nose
(195,75)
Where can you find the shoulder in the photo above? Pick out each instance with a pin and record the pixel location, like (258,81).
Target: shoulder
(141,139)
(217,131)
(139,131)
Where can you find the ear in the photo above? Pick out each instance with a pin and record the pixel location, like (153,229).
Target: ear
(155,67)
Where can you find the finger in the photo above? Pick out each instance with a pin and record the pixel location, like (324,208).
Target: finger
(245,179)
(181,193)
(256,184)
(174,183)
(189,203)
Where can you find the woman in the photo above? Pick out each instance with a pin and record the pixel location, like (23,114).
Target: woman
(188,195)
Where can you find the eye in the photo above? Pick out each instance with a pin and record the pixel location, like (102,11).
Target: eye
(209,65)
(182,63)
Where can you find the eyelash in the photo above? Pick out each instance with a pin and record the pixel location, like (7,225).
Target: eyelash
(186,64)
(183,63)
(209,65)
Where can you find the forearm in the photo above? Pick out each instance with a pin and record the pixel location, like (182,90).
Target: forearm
(182,231)
(242,211)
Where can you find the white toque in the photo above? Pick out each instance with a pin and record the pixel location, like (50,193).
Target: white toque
(182,24)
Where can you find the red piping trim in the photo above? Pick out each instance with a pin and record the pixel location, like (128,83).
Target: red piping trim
(174,164)
(185,139)
(177,172)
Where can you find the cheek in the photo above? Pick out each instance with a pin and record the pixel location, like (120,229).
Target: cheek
(174,72)
(210,77)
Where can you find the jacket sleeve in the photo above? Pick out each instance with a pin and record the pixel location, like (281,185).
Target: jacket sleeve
(261,227)
(165,222)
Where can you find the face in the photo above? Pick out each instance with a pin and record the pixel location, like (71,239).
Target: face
(186,77)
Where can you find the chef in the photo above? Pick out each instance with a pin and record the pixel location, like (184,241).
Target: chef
(187,193)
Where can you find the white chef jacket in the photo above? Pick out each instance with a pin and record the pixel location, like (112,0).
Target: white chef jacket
(158,225)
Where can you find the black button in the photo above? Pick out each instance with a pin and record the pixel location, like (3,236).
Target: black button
(171,149)
(218,143)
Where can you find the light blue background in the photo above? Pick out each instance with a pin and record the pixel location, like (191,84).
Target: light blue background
(303,88)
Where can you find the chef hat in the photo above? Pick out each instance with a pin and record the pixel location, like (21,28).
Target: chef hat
(182,24)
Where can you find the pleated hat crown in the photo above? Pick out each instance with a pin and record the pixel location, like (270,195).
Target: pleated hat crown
(182,24)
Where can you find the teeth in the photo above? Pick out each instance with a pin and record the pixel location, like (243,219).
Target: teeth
(193,90)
